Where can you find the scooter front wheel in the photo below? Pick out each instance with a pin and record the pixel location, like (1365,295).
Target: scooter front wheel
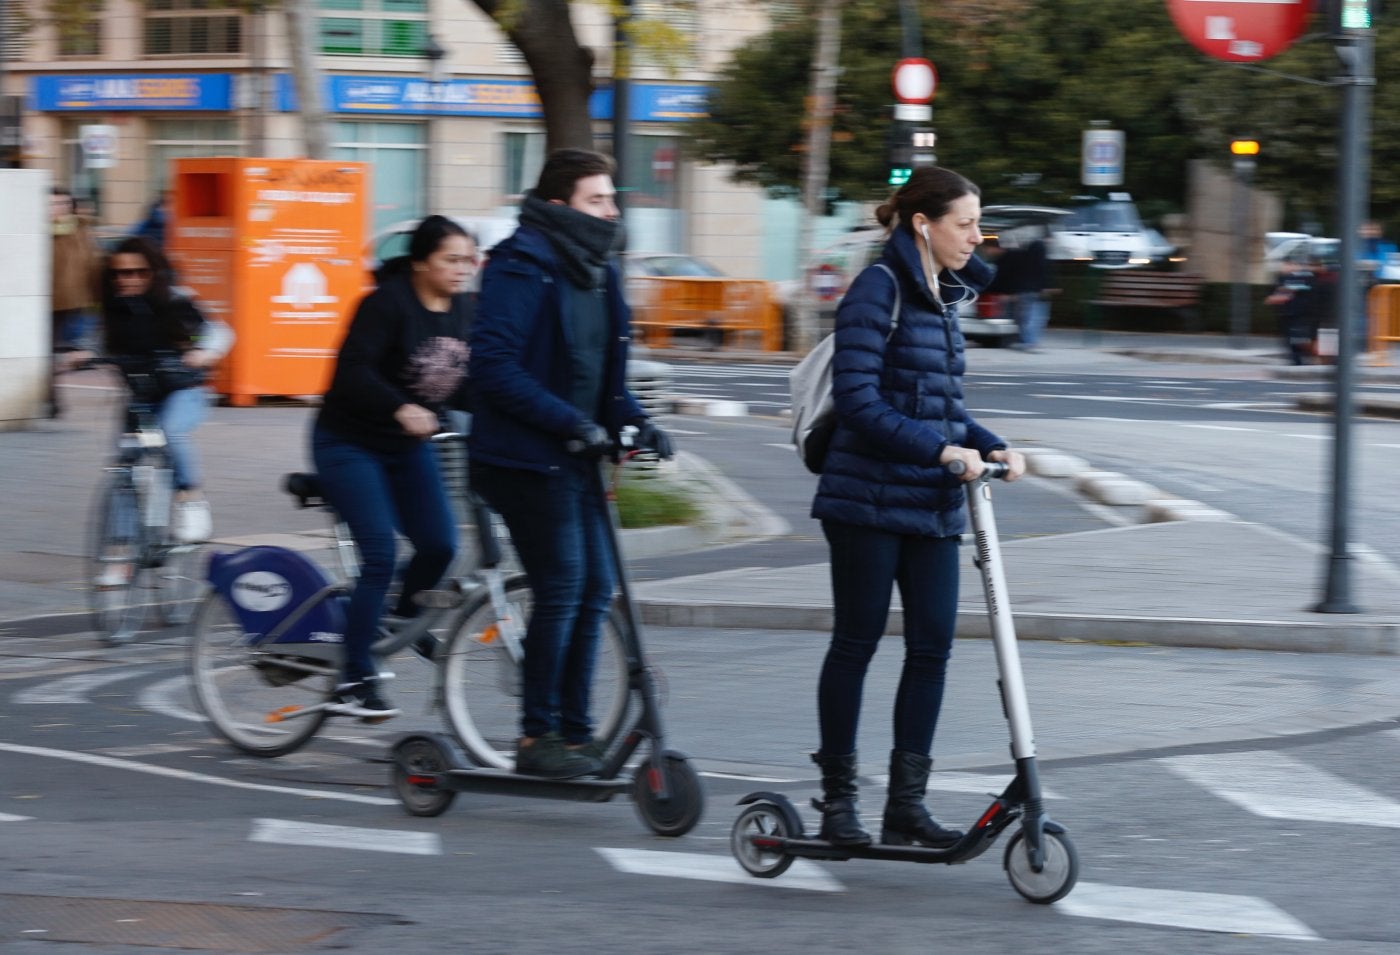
(680,811)
(1056,877)
(769,820)
(419,765)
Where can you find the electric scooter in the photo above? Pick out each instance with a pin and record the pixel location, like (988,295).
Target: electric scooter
(1040,859)
(429,769)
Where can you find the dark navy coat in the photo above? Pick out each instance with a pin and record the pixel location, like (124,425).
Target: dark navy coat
(520,370)
(898,403)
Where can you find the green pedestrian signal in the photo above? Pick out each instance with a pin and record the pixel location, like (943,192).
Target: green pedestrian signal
(899,175)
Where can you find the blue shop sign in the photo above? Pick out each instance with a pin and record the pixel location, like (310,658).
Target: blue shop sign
(132,92)
(412,96)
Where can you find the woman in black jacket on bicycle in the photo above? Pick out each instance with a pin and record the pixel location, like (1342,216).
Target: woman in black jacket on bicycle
(166,348)
(402,363)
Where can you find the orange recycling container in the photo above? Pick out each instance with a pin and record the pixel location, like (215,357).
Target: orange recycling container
(273,247)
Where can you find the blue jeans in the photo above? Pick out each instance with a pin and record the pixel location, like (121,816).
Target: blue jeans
(376,493)
(865,564)
(1031,312)
(557,523)
(180,412)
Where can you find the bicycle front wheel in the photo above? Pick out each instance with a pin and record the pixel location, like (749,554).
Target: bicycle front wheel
(116,557)
(262,701)
(482,679)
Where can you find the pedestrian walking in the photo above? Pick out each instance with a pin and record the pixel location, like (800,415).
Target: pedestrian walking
(1023,278)
(402,363)
(76,289)
(548,368)
(890,510)
(1296,299)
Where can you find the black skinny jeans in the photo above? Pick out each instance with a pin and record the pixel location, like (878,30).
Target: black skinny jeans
(865,564)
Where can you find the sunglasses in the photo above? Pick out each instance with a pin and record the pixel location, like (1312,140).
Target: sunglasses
(132,273)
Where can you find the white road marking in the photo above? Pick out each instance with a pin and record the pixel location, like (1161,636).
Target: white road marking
(983,784)
(186,776)
(1280,787)
(1222,427)
(1150,401)
(1005,411)
(1109,419)
(6,817)
(147,749)
(711,868)
(743,777)
(73,689)
(1201,911)
(1310,437)
(287,833)
(159,698)
(1242,405)
(785,447)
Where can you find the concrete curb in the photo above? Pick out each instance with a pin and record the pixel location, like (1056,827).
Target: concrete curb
(1381,406)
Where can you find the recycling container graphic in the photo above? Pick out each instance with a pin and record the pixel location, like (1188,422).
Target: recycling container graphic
(274,248)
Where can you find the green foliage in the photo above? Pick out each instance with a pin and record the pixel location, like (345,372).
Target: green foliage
(1020,80)
(649,502)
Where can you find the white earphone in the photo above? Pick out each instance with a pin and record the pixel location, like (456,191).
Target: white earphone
(924,229)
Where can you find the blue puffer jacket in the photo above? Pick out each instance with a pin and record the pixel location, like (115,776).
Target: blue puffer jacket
(898,403)
(520,371)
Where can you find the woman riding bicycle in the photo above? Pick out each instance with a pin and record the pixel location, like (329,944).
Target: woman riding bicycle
(403,361)
(165,349)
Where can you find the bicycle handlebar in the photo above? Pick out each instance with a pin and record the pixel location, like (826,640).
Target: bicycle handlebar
(990,469)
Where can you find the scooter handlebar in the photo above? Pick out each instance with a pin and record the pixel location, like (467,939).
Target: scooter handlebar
(990,469)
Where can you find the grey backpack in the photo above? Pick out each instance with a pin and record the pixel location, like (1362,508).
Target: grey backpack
(809,382)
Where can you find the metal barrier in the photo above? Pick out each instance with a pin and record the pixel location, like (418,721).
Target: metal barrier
(1383,321)
(720,309)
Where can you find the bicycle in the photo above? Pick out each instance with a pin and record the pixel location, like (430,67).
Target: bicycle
(266,643)
(132,550)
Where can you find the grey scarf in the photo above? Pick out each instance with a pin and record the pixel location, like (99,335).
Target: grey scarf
(584,242)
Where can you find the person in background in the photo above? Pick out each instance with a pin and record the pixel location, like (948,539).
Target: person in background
(152,226)
(77,286)
(1295,299)
(402,364)
(1023,276)
(890,509)
(549,363)
(156,334)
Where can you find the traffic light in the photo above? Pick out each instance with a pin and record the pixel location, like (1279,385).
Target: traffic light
(1350,16)
(901,152)
(921,142)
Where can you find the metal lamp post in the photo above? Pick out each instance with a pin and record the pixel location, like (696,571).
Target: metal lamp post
(435,54)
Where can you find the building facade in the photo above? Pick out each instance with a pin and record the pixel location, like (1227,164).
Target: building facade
(106,107)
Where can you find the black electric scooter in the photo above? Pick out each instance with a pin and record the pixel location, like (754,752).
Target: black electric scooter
(1040,859)
(429,769)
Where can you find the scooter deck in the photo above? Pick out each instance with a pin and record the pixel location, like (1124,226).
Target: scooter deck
(505,783)
(821,849)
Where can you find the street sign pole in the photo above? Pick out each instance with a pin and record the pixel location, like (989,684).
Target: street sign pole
(1356,50)
(1239,292)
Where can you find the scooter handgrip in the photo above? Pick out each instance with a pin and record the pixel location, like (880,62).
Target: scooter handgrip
(990,469)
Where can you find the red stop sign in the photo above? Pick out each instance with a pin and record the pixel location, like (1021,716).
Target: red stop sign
(1241,30)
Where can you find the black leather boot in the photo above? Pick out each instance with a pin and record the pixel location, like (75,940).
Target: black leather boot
(906,821)
(840,813)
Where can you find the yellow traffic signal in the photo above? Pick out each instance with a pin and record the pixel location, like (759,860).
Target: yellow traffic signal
(1244,147)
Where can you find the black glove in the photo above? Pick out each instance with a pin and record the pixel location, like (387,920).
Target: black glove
(590,440)
(649,436)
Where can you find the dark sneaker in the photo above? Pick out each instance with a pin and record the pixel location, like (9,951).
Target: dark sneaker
(550,758)
(595,748)
(426,647)
(362,700)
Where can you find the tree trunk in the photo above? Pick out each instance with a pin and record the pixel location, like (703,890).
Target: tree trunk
(307,77)
(563,70)
(818,155)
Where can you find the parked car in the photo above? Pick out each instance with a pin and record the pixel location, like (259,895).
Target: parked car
(1299,247)
(1107,233)
(392,241)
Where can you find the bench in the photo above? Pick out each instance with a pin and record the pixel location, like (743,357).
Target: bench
(718,310)
(1139,288)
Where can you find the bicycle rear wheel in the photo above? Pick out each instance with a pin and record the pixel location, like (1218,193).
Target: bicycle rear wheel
(258,699)
(116,558)
(482,680)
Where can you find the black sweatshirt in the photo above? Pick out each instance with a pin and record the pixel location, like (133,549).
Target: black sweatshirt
(396,352)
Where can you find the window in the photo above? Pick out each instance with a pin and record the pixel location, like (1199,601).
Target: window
(524,159)
(14,31)
(397,153)
(374,27)
(185,139)
(672,28)
(86,42)
(191,27)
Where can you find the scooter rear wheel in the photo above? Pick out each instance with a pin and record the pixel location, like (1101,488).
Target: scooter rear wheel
(1056,877)
(764,818)
(677,814)
(419,764)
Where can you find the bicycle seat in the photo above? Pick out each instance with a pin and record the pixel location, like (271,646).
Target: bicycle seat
(305,487)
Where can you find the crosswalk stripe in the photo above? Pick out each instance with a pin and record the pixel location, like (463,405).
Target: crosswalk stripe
(710,868)
(981,784)
(288,833)
(1280,787)
(73,689)
(1201,911)
(7,817)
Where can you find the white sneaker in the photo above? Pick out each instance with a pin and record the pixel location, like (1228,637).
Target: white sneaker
(192,522)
